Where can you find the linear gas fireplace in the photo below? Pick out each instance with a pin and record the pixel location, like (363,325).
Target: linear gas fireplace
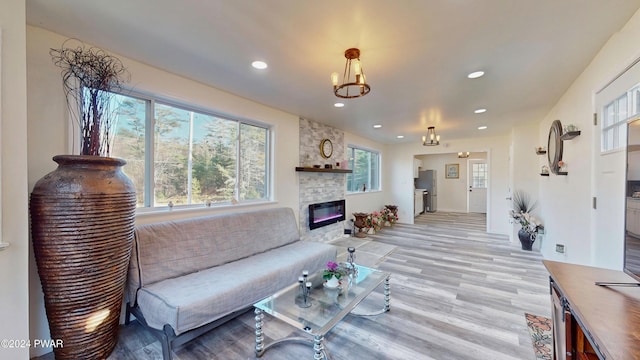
(326,213)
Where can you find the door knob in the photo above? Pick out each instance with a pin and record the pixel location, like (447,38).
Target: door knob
(508,198)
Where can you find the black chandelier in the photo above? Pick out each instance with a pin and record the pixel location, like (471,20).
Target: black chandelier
(354,83)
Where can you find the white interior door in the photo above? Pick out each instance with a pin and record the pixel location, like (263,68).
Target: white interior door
(478,177)
(609,162)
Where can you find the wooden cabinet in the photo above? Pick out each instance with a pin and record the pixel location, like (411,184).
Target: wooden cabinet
(417,164)
(633,216)
(418,202)
(560,317)
(590,321)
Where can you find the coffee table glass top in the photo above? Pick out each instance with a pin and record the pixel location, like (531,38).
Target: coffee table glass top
(328,306)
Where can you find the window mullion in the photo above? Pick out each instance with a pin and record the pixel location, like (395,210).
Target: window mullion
(149,167)
(190,161)
(236,189)
(369,175)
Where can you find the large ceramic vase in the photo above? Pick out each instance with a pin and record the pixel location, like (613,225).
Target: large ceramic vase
(526,239)
(82,222)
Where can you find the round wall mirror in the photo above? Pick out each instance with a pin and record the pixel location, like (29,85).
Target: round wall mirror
(554,146)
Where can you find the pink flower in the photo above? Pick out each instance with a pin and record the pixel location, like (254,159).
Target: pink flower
(332,266)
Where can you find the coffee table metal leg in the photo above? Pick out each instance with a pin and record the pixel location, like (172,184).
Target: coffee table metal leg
(387,294)
(387,301)
(320,352)
(259,335)
(318,348)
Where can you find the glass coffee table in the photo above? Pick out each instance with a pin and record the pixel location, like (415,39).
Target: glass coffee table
(319,312)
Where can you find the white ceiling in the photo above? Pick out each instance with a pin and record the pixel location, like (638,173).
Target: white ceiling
(416,53)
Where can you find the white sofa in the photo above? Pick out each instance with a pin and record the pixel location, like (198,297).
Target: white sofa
(188,276)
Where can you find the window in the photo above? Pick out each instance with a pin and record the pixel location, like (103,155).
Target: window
(479,174)
(187,156)
(615,116)
(366,170)
(614,123)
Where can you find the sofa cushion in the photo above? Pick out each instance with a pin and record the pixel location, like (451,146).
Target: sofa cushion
(199,298)
(174,248)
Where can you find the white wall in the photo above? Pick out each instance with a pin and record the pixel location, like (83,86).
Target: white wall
(566,200)
(400,158)
(14,295)
(371,200)
(526,167)
(452,193)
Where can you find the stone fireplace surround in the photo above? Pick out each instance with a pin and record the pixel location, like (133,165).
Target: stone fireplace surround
(317,187)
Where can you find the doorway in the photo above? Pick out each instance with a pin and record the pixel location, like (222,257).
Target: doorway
(477,182)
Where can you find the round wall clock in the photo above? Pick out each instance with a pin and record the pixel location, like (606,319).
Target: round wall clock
(326,148)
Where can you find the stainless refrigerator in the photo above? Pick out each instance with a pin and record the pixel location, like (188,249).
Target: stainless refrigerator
(427,180)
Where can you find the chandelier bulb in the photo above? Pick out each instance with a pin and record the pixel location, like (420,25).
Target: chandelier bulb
(334,79)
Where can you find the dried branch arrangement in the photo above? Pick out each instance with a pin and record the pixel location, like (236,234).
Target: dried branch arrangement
(89,77)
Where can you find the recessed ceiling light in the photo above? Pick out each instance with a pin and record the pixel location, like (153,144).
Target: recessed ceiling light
(338,105)
(400,136)
(480,111)
(482,127)
(260,65)
(377,126)
(475,74)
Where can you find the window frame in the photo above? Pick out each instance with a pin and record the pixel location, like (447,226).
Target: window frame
(350,153)
(618,126)
(151,100)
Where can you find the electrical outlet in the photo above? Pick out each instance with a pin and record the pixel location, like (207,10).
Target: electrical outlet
(560,248)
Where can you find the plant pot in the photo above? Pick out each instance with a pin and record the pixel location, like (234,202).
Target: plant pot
(526,239)
(332,283)
(82,223)
(360,223)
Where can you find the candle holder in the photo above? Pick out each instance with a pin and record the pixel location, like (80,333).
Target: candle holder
(350,266)
(304,290)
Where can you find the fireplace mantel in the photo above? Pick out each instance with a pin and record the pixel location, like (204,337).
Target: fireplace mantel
(323,170)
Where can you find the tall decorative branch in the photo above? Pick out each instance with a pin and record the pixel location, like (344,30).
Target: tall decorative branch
(89,77)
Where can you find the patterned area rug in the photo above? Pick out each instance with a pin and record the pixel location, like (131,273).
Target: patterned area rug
(541,335)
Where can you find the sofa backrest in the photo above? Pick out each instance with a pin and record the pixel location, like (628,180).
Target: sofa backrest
(173,248)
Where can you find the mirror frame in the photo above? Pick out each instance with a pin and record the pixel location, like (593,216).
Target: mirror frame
(555,142)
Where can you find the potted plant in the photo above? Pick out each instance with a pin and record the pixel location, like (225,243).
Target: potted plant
(332,274)
(388,217)
(83,213)
(374,222)
(521,213)
(361,223)
(393,209)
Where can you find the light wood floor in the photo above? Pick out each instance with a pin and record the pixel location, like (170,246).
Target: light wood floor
(457,293)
